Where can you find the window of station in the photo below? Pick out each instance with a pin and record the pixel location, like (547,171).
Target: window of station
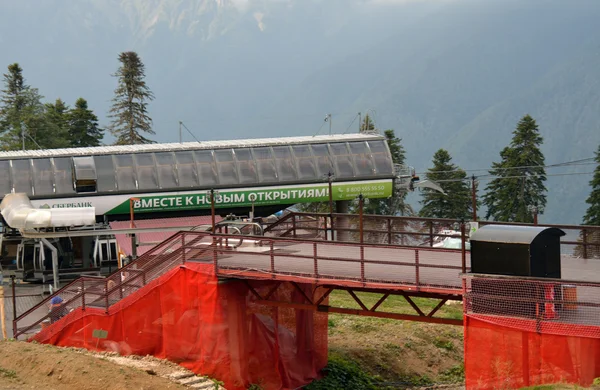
(321,154)
(362,158)
(207,170)
(43,176)
(146,171)
(265,164)
(21,174)
(383,163)
(5,182)
(126,179)
(306,162)
(85,174)
(186,169)
(105,172)
(284,162)
(165,167)
(342,160)
(226,166)
(246,166)
(63,176)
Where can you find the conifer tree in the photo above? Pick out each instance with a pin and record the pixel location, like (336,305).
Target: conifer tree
(519,185)
(83,126)
(130,120)
(456,202)
(397,203)
(21,112)
(592,215)
(56,126)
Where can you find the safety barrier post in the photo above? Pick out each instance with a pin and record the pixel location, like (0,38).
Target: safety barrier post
(215,259)
(389,230)
(463,250)
(584,238)
(417,269)
(83,294)
(272,259)
(183,247)
(14,303)
(106,294)
(362,247)
(316,265)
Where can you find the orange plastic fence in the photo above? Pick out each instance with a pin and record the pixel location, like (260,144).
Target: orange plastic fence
(527,332)
(212,327)
(499,357)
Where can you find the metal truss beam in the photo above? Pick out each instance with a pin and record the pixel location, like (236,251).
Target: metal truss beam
(316,303)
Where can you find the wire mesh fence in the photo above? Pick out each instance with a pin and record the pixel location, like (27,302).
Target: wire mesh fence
(551,306)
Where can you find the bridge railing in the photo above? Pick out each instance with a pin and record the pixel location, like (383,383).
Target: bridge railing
(580,241)
(102,293)
(343,263)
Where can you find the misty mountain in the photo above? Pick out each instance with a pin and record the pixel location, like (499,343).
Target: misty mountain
(444,74)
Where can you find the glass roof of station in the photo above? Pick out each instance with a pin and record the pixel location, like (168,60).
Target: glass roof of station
(191,165)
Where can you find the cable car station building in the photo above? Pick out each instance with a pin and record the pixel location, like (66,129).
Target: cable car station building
(159,181)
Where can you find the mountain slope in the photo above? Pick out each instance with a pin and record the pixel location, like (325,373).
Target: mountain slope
(453,74)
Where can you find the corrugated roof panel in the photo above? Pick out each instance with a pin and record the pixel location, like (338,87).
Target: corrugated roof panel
(512,234)
(156,237)
(121,149)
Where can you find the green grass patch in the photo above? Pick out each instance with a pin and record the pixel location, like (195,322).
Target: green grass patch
(345,374)
(455,374)
(8,374)
(394,304)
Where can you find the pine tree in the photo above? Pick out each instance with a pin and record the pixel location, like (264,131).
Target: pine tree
(83,126)
(519,185)
(23,117)
(54,126)
(129,110)
(456,203)
(397,203)
(592,215)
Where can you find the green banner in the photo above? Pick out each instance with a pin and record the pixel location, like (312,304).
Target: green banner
(258,196)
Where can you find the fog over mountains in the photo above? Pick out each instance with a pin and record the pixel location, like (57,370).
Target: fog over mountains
(454,74)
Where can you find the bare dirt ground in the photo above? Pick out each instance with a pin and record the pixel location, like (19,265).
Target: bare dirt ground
(30,365)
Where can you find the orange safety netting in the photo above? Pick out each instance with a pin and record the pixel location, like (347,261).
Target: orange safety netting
(527,332)
(213,327)
(497,356)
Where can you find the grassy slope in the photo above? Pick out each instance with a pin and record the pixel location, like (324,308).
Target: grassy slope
(398,351)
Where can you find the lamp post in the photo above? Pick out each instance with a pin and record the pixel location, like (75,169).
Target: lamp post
(131,226)
(329,177)
(131,204)
(211,194)
(474,198)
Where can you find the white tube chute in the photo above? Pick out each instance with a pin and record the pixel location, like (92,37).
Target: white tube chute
(19,213)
